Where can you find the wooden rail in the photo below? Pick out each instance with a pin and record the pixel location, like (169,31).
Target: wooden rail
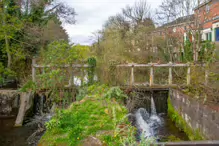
(170,65)
(71,67)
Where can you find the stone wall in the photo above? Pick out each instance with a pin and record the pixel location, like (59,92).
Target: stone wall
(199,116)
(9,102)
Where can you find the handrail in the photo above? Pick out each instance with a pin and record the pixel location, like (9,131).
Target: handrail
(159,65)
(170,65)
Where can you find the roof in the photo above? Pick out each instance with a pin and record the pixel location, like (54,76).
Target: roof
(202,4)
(180,20)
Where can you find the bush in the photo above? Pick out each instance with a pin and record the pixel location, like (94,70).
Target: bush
(115,92)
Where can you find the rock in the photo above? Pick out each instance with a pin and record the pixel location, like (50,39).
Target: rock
(9,100)
(92,141)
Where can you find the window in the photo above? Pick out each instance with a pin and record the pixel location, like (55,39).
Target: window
(208,36)
(207,8)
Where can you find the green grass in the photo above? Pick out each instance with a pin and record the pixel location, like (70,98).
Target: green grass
(95,115)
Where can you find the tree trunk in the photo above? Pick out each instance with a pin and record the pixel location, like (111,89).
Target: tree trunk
(5,34)
(8,51)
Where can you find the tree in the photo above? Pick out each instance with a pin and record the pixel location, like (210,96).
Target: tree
(25,25)
(9,25)
(125,38)
(139,13)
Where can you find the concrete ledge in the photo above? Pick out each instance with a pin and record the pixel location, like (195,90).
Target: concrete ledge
(190,143)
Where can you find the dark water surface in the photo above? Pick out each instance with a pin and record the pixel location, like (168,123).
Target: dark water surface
(170,132)
(11,136)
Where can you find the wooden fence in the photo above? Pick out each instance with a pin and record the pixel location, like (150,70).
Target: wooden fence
(35,66)
(170,66)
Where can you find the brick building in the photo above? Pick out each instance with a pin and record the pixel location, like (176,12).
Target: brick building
(205,20)
(208,16)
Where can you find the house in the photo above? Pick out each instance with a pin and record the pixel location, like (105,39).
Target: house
(208,17)
(205,18)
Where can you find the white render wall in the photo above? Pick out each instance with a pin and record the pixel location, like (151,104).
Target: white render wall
(204,33)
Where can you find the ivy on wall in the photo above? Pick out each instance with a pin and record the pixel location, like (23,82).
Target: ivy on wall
(91,70)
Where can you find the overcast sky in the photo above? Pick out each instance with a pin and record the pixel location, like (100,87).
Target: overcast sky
(91,15)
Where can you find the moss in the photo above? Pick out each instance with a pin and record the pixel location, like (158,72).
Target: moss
(182,125)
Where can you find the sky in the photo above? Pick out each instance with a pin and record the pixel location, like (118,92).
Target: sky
(92,14)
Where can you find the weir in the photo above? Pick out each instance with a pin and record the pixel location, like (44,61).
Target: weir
(200,118)
(148,110)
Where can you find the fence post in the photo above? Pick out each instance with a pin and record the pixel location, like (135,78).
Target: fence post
(189,74)
(82,76)
(33,70)
(170,73)
(71,76)
(132,76)
(43,70)
(151,75)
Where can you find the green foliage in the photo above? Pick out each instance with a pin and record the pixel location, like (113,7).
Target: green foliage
(112,70)
(92,116)
(131,141)
(173,138)
(5,74)
(54,123)
(181,123)
(207,52)
(59,53)
(82,52)
(92,61)
(115,92)
(26,27)
(91,71)
(28,86)
(82,92)
(188,52)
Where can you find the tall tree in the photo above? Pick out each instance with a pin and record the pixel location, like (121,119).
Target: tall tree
(25,25)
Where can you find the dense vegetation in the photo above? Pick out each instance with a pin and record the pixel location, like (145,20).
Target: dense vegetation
(99,112)
(27,27)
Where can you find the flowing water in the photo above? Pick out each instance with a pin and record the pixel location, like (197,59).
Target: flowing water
(157,126)
(32,130)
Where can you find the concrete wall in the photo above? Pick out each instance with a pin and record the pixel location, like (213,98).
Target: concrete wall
(199,116)
(141,98)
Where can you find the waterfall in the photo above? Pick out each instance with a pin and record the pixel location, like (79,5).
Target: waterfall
(142,124)
(148,124)
(153,108)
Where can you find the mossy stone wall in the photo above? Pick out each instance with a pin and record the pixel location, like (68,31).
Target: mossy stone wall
(198,120)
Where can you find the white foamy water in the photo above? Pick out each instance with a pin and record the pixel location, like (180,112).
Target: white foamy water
(142,125)
(153,108)
(148,124)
